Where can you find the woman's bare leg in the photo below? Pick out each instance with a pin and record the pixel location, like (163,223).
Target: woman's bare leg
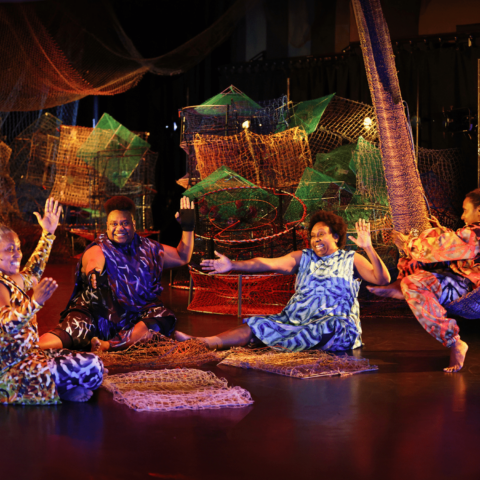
(235,337)
(49,340)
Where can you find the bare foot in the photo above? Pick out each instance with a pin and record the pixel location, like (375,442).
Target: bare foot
(98,345)
(391,291)
(77,394)
(457,356)
(213,343)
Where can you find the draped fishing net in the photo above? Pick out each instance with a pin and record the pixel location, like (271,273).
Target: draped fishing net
(405,191)
(309,364)
(161,352)
(40,44)
(247,294)
(276,160)
(173,390)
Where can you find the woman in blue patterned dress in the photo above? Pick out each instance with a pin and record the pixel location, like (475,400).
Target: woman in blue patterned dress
(324,310)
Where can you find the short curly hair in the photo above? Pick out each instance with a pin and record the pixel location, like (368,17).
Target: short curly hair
(119,202)
(474,197)
(336,224)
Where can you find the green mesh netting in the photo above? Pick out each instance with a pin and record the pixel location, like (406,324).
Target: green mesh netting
(242,102)
(307,114)
(223,177)
(315,190)
(121,150)
(337,164)
(371,184)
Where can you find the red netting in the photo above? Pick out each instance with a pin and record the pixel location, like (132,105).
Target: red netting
(266,160)
(264,294)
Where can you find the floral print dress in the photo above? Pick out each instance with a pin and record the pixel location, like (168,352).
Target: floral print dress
(25,377)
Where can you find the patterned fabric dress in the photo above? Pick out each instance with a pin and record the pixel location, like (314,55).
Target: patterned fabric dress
(440,266)
(25,377)
(324,310)
(129,290)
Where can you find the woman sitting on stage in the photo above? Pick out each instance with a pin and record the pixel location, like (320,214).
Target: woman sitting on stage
(28,375)
(324,310)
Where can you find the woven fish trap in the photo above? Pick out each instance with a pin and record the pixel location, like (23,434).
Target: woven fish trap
(171,390)
(307,364)
(161,352)
(467,306)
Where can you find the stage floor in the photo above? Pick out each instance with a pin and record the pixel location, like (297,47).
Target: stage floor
(409,420)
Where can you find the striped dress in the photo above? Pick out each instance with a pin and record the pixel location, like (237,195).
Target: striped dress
(324,309)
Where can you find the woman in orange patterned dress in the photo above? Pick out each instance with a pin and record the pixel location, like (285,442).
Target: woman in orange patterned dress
(28,375)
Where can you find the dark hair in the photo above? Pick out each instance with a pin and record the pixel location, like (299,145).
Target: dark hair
(335,223)
(119,203)
(474,197)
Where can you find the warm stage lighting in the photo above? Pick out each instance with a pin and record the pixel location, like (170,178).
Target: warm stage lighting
(367,123)
(246,124)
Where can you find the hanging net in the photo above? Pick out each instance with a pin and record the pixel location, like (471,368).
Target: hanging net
(276,160)
(55,52)
(161,352)
(309,364)
(405,190)
(246,294)
(173,390)
(323,141)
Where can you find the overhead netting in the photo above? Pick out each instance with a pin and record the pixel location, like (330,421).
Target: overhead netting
(173,390)
(55,52)
(161,352)
(247,294)
(308,364)
(276,160)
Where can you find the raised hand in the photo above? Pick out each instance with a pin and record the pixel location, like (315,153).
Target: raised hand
(44,290)
(50,219)
(434,221)
(399,239)
(220,265)
(364,238)
(186,216)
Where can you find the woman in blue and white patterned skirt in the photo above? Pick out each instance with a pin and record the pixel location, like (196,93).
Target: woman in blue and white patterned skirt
(324,310)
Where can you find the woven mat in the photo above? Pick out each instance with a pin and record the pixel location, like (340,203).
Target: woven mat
(170,390)
(308,364)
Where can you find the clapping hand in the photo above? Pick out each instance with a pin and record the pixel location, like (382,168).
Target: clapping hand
(50,219)
(220,265)
(44,290)
(364,238)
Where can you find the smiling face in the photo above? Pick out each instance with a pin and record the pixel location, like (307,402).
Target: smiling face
(322,241)
(120,226)
(10,253)
(470,213)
